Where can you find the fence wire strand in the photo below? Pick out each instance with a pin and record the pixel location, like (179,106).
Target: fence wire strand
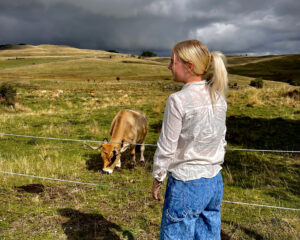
(146,144)
(136,190)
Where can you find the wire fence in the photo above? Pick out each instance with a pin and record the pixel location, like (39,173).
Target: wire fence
(134,189)
(145,144)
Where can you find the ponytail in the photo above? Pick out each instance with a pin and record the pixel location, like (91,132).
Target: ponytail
(196,52)
(219,81)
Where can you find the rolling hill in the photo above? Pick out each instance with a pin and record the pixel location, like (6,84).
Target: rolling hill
(283,68)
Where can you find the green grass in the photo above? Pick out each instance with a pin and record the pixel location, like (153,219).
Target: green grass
(241,60)
(257,118)
(88,69)
(24,62)
(283,69)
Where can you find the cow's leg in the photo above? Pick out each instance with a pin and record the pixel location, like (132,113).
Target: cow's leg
(142,159)
(132,155)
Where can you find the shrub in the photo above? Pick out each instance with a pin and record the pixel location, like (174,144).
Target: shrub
(148,54)
(8,93)
(258,83)
(293,82)
(113,51)
(295,94)
(5,46)
(234,85)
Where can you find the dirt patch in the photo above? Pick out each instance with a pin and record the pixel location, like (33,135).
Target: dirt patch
(60,193)
(31,188)
(50,193)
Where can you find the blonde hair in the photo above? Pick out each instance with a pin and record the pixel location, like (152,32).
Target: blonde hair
(204,61)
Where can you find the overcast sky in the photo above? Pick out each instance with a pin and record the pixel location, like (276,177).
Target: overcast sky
(230,26)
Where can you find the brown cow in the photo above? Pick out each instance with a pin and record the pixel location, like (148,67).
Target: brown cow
(128,126)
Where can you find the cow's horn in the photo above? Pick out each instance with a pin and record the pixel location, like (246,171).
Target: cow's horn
(94,148)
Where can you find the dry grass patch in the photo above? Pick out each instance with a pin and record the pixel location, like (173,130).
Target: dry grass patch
(19,107)
(50,130)
(93,128)
(254,98)
(265,96)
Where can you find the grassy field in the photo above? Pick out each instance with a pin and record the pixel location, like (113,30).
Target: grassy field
(278,68)
(71,93)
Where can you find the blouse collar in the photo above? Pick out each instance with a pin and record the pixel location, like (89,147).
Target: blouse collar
(197,83)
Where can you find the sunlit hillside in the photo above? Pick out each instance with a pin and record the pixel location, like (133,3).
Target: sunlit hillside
(282,68)
(65,63)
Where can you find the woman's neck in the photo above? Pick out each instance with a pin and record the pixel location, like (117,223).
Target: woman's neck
(193,79)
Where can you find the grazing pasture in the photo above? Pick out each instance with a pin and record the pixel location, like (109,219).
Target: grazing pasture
(69,93)
(283,68)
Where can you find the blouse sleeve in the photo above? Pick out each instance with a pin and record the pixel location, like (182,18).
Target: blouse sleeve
(168,139)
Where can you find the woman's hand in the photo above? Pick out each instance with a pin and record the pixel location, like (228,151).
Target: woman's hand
(156,186)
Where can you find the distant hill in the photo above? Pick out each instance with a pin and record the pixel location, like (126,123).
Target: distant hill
(22,50)
(68,63)
(283,68)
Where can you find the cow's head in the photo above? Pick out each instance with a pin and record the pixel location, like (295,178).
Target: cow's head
(110,154)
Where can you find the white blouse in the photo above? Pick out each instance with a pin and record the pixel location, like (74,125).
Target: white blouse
(192,140)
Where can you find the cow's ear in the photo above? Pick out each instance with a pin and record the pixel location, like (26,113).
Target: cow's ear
(105,140)
(123,143)
(124,146)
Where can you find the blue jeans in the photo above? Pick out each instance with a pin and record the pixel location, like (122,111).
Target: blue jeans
(192,209)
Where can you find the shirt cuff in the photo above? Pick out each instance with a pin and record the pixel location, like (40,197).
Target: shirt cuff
(160,175)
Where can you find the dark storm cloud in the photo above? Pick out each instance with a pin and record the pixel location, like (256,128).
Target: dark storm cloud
(233,26)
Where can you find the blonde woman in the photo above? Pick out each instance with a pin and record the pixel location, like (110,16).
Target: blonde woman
(191,145)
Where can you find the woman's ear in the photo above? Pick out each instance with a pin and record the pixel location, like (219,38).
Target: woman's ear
(190,66)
